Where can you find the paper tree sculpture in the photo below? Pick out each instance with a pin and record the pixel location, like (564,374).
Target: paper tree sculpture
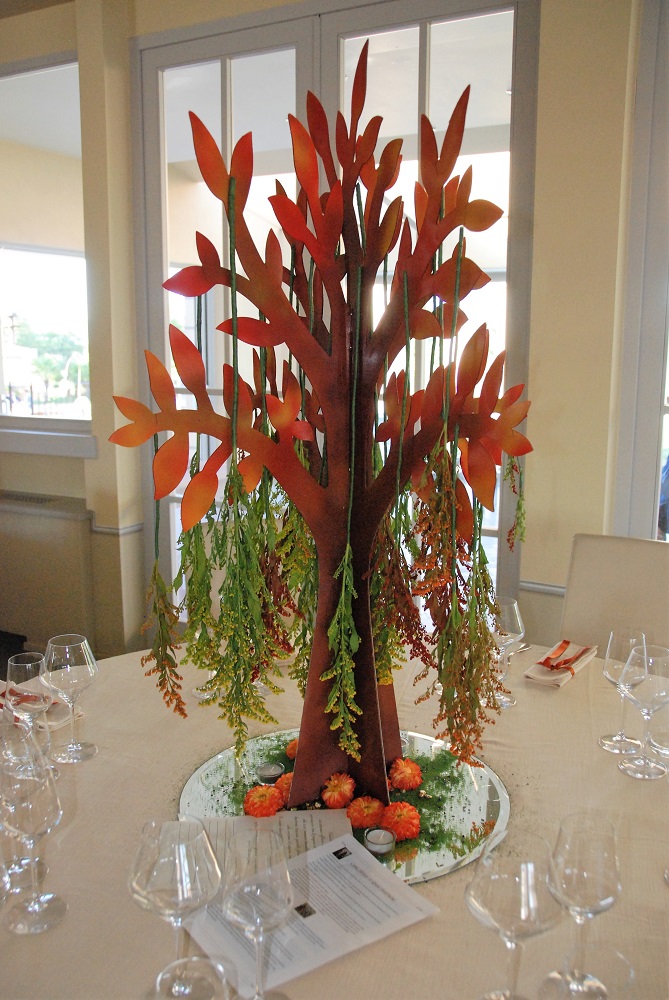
(339,491)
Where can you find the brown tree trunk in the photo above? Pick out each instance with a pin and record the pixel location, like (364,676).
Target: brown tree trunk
(319,755)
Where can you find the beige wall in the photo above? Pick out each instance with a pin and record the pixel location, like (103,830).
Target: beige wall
(586,79)
(45,208)
(587,62)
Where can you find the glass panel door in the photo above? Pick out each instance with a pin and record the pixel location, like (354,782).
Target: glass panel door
(231,96)
(427,67)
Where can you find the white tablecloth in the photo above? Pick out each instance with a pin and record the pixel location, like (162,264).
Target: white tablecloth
(544,750)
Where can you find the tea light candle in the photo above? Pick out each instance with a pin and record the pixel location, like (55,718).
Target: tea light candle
(269,773)
(379,841)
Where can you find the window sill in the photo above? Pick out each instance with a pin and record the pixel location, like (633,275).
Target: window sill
(61,438)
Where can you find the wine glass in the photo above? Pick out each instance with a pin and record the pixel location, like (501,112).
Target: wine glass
(19,871)
(585,879)
(620,645)
(507,629)
(27,694)
(70,669)
(26,691)
(174,874)
(645,681)
(257,891)
(509,893)
(29,809)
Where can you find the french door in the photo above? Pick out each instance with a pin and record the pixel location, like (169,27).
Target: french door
(249,77)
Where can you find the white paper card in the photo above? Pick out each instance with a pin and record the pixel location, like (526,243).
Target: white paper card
(300,831)
(344,899)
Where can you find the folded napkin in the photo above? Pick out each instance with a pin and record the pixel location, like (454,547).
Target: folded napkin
(560,663)
(57,716)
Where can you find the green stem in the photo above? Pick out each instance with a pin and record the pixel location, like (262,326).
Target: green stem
(233,314)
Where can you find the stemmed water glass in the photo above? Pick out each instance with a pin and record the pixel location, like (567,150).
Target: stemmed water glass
(29,809)
(70,669)
(585,879)
(620,645)
(257,892)
(27,693)
(508,629)
(645,681)
(174,874)
(509,893)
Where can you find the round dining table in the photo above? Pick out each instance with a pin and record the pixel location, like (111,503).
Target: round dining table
(544,749)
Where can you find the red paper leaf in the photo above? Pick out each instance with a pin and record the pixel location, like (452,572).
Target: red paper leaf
(389,228)
(190,281)
(274,259)
(209,159)
(143,427)
(450,147)
(320,133)
(189,364)
(306,164)
(241,168)
(206,251)
(250,469)
(433,397)
(253,331)
(292,222)
(342,141)
(481,215)
(480,472)
(492,383)
(464,191)
(198,498)
(420,204)
(359,89)
(162,387)
(334,217)
(472,362)
(424,325)
(170,464)
(366,144)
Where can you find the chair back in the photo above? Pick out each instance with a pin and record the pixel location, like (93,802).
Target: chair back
(616,582)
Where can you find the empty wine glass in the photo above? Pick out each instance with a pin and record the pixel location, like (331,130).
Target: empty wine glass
(26,692)
(18,870)
(507,629)
(509,894)
(70,669)
(174,874)
(29,809)
(620,645)
(28,695)
(585,880)
(257,892)
(645,681)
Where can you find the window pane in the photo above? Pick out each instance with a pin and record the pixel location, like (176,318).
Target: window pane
(663,515)
(43,310)
(191,207)
(477,51)
(44,361)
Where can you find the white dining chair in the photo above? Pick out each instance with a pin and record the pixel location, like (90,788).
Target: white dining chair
(614,581)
